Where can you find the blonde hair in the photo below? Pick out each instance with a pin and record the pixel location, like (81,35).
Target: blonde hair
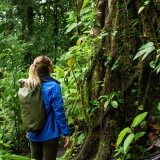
(42,66)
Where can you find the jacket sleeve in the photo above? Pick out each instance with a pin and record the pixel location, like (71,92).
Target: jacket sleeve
(57,104)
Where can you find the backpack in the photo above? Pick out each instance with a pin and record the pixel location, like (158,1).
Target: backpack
(32,107)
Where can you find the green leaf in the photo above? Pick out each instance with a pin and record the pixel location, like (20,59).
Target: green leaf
(3,116)
(134,22)
(6,144)
(115,65)
(58,74)
(121,136)
(145,49)
(141,107)
(70,120)
(140,9)
(84,3)
(157,68)
(71,62)
(114,104)
(81,138)
(81,39)
(106,105)
(146,2)
(14,157)
(152,64)
(84,11)
(119,150)
(138,135)
(113,94)
(127,142)
(157,58)
(147,45)
(144,5)
(158,51)
(158,106)
(138,119)
(71,27)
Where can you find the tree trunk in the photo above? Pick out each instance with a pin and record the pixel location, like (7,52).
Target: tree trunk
(27,26)
(113,66)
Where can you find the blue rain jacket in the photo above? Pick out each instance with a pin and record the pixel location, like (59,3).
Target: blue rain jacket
(56,122)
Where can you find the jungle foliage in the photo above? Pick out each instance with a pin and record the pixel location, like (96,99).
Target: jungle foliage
(106,56)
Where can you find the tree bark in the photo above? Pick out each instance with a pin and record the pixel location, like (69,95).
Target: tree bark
(133,81)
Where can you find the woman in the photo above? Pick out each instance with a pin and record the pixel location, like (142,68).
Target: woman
(44,143)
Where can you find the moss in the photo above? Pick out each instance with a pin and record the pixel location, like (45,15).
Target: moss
(102,154)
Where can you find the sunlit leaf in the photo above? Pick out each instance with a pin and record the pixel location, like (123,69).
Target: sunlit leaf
(113,94)
(6,144)
(127,142)
(84,3)
(141,107)
(146,2)
(106,105)
(158,51)
(73,91)
(121,136)
(59,74)
(71,27)
(152,64)
(103,34)
(81,138)
(138,119)
(70,120)
(3,116)
(8,98)
(134,22)
(14,157)
(145,50)
(58,69)
(120,150)
(115,65)
(114,104)
(79,41)
(84,11)
(140,9)
(68,55)
(138,135)
(71,62)
(157,69)
(147,45)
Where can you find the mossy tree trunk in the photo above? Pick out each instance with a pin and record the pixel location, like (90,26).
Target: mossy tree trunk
(113,70)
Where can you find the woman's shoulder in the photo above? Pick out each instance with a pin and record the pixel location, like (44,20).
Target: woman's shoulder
(50,82)
(51,87)
(49,79)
